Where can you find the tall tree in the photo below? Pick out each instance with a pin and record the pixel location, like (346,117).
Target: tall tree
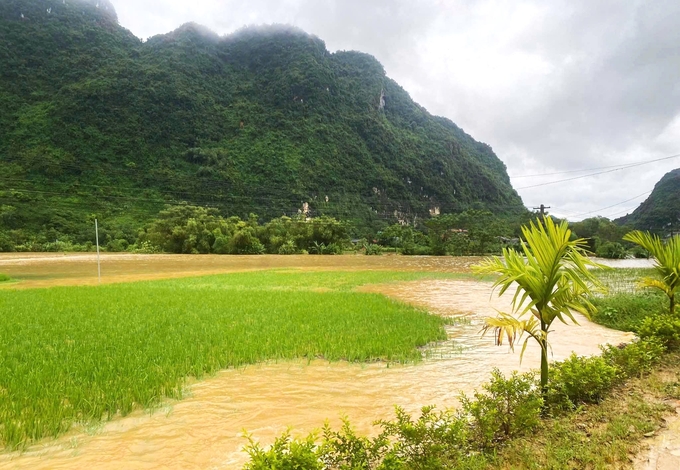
(551,279)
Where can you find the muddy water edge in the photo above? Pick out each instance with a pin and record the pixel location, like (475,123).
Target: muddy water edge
(206,429)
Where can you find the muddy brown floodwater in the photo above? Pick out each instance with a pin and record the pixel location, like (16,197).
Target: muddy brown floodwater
(205,431)
(57,269)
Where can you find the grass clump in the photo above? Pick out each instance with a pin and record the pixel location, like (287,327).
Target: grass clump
(80,354)
(627,304)
(4,278)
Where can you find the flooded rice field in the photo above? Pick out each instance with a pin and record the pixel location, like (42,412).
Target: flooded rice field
(206,429)
(52,269)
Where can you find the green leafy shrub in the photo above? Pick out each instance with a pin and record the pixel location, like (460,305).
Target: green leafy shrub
(117,245)
(7,245)
(4,277)
(285,454)
(611,250)
(639,252)
(636,358)
(144,247)
(244,242)
(221,245)
(316,248)
(372,249)
(582,379)
(437,439)
(288,248)
(507,408)
(413,249)
(665,328)
(332,249)
(345,449)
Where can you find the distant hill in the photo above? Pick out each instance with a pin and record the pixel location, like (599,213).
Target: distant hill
(96,122)
(661,210)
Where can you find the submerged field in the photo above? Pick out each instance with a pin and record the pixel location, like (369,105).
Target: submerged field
(81,354)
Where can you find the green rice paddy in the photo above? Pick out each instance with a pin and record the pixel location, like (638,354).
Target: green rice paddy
(623,280)
(81,354)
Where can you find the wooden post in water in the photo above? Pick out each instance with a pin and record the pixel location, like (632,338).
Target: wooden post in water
(99,267)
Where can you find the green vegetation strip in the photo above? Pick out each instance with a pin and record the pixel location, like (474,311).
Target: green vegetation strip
(596,436)
(80,354)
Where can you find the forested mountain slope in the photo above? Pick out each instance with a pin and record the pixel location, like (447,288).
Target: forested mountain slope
(95,122)
(661,210)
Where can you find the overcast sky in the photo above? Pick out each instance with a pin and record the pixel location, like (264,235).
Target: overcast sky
(553,86)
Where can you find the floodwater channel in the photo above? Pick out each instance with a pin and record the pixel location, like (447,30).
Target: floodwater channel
(205,430)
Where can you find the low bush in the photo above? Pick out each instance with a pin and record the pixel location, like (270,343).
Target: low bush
(288,248)
(611,250)
(117,245)
(665,328)
(507,408)
(4,277)
(285,453)
(345,449)
(436,440)
(634,359)
(581,379)
(372,249)
(323,249)
(332,249)
(415,250)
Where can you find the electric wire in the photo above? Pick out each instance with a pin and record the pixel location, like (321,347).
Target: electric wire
(595,174)
(613,205)
(642,162)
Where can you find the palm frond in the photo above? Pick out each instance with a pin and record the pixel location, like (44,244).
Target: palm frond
(506,327)
(666,256)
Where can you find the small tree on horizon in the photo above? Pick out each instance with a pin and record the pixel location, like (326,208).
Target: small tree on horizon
(552,279)
(667,257)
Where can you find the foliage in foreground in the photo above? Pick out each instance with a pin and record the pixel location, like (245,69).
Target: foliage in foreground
(667,263)
(80,354)
(550,277)
(437,439)
(497,426)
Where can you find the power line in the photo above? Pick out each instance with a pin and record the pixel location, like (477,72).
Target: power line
(619,212)
(598,173)
(643,162)
(614,205)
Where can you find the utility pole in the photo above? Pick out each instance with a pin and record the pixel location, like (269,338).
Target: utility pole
(541,209)
(99,268)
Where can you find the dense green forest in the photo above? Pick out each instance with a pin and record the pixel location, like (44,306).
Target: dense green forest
(96,123)
(191,229)
(661,210)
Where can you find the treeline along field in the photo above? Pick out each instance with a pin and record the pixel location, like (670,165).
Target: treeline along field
(82,354)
